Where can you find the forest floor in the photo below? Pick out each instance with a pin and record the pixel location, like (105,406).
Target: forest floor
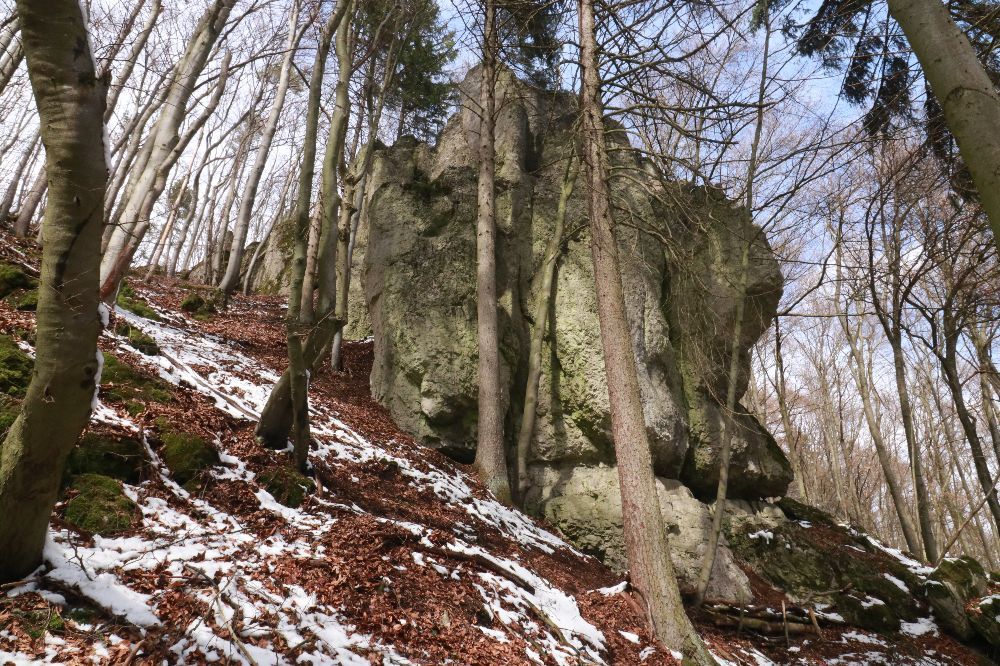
(397,556)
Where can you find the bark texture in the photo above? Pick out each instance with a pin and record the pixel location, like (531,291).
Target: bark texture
(71,106)
(650,566)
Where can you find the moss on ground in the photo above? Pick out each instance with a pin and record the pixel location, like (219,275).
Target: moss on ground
(198,305)
(121,459)
(136,338)
(122,384)
(187,456)
(12,278)
(26,301)
(100,506)
(287,485)
(9,409)
(15,368)
(129,300)
(37,623)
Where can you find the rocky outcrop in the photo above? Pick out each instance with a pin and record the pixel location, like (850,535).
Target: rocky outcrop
(680,248)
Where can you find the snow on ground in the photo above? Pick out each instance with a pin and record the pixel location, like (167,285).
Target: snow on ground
(204,542)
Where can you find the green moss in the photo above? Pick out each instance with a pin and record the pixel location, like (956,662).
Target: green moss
(28,301)
(37,623)
(121,459)
(187,456)
(9,409)
(12,278)
(810,563)
(287,485)
(15,368)
(129,300)
(198,305)
(136,338)
(100,507)
(122,384)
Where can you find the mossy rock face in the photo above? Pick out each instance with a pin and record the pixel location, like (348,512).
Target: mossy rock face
(122,459)
(100,507)
(187,456)
(121,383)
(15,368)
(129,300)
(12,278)
(287,485)
(985,618)
(950,587)
(832,566)
(798,511)
(136,338)
(198,305)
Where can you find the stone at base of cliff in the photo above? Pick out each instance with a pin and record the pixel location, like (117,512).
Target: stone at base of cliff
(985,617)
(585,504)
(950,587)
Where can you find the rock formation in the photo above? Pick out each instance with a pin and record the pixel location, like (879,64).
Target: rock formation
(680,247)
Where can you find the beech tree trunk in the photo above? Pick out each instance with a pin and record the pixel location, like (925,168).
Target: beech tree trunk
(285,408)
(491,458)
(651,570)
(29,205)
(11,52)
(164,147)
(8,200)
(968,97)
(70,102)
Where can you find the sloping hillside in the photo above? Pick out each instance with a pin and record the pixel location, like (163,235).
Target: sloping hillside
(180,540)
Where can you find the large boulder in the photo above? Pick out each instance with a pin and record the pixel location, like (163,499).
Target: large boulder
(950,587)
(680,249)
(585,504)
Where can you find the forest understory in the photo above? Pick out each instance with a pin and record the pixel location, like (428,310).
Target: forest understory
(390,554)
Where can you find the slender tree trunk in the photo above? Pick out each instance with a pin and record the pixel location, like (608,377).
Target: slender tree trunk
(333,171)
(651,569)
(728,424)
(491,458)
(166,144)
(164,239)
(544,288)
(29,205)
(70,102)
(949,365)
(286,409)
(132,59)
(931,550)
(8,200)
(231,279)
(309,284)
(913,543)
(781,391)
(968,97)
(11,53)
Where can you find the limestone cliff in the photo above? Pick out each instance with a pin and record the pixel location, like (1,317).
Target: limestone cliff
(680,248)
